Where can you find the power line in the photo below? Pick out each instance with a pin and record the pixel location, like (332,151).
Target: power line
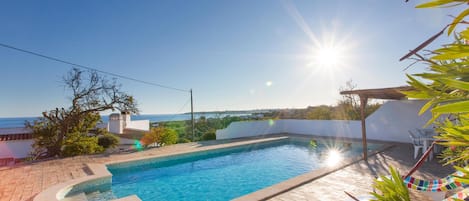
(90,68)
(180,109)
(185,104)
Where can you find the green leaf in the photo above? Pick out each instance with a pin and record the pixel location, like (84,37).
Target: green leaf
(453,143)
(436,3)
(457,20)
(465,34)
(417,84)
(416,94)
(458,107)
(456,84)
(426,107)
(435,116)
(390,188)
(449,56)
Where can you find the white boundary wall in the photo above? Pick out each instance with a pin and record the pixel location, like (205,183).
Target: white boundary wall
(15,148)
(390,122)
(393,120)
(139,125)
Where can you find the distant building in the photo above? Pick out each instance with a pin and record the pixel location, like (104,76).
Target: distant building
(122,124)
(14,143)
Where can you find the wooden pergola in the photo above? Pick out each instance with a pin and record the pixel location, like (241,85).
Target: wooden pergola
(393,93)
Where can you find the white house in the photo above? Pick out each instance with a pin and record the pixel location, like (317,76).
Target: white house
(122,123)
(15,143)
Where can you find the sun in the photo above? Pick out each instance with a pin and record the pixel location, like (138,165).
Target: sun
(328,57)
(330,50)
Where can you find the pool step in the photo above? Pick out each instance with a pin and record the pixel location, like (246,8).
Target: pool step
(101,196)
(77,197)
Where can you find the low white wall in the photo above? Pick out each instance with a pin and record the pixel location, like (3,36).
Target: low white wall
(15,148)
(390,122)
(249,128)
(294,126)
(393,120)
(332,128)
(139,125)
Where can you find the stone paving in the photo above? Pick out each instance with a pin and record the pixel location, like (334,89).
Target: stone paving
(357,178)
(24,181)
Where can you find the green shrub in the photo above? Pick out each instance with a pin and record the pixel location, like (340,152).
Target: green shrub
(184,140)
(169,136)
(209,136)
(79,144)
(391,188)
(160,135)
(108,141)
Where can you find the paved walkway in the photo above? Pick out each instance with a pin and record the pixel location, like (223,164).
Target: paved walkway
(357,179)
(23,182)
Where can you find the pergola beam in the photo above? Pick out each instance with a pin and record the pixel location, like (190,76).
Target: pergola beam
(363,103)
(365,94)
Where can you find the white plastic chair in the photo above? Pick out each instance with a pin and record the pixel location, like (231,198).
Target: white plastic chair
(418,144)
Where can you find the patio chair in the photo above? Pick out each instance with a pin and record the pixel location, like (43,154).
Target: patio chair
(418,144)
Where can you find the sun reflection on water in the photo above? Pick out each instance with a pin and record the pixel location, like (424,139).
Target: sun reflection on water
(333,157)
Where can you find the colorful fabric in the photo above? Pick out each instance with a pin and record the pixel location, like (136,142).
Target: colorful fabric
(445,184)
(461,195)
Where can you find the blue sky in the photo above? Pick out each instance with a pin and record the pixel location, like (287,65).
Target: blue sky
(234,54)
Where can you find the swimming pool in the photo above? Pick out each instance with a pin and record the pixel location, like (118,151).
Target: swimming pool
(222,174)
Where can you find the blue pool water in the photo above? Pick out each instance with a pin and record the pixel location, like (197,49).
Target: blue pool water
(220,174)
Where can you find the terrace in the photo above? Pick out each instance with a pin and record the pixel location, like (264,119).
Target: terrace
(25,181)
(389,125)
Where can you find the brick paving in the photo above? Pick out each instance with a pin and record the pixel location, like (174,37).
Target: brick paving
(24,181)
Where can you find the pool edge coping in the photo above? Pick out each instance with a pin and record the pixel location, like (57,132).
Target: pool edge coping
(58,191)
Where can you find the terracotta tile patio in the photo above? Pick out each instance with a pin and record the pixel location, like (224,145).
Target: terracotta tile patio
(24,181)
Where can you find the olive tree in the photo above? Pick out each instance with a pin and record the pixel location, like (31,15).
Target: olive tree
(72,131)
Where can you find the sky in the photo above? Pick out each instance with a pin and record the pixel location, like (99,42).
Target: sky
(234,55)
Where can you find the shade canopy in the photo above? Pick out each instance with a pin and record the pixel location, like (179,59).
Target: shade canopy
(394,93)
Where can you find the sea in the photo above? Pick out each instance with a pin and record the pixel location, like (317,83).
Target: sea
(15,122)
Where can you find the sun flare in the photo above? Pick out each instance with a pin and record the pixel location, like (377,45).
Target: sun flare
(328,57)
(333,157)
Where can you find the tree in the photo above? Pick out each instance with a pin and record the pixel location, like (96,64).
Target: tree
(60,129)
(348,108)
(446,87)
(161,136)
(209,136)
(108,140)
(322,112)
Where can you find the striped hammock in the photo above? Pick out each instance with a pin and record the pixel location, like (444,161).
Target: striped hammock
(437,185)
(461,195)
